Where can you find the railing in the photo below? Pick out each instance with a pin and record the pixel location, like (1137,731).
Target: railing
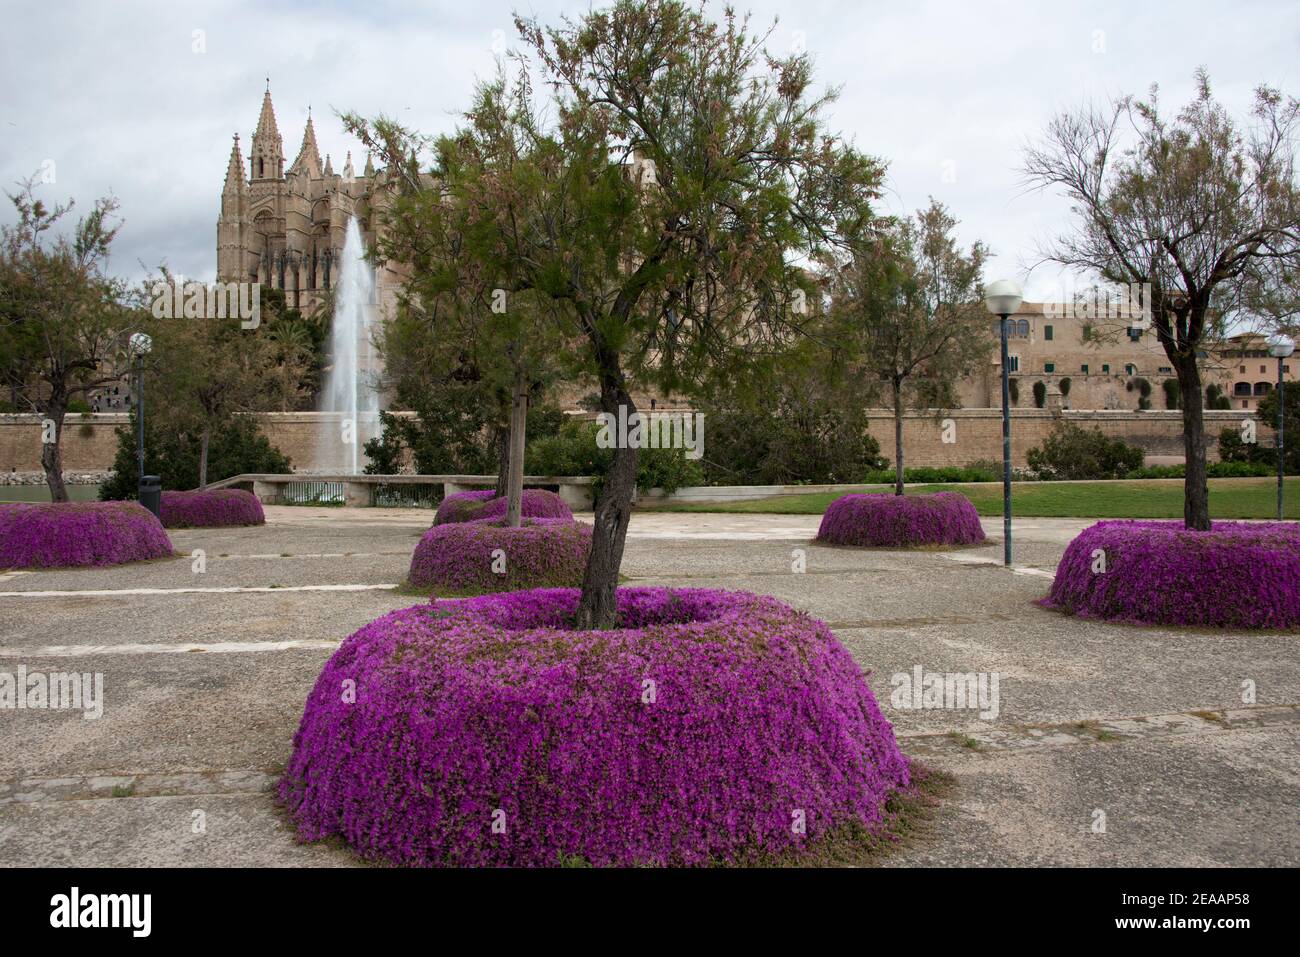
(391,490)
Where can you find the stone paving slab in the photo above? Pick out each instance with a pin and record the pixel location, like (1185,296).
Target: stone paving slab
(204,690)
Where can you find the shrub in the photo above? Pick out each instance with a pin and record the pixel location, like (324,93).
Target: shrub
(797,434)
(1173,392)
(1215,399)
(460,557)
(65,534)
(689,735)
(1065,387)
(211,508)
(1236,575)
(484,505)
(893,521)
(233,449)
(1070,452)
(1013,390)
(1040,394)
(573,451)
(927,474)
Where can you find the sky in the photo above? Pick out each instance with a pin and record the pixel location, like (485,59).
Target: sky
(141,98)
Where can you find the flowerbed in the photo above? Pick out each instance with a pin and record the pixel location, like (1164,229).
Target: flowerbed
(486,731)
(71,534)
(484,556)
(211,509)
(1237,575)
(484,505)
(893,521)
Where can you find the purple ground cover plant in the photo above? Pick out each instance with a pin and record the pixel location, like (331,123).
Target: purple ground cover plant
(892,521)
(70,534)
(484,505)
(487,731)
(1237,575)
(211,509)
(458,558)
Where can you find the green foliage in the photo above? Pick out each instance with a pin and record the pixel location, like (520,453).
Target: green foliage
(1267,414)
(1071,452)
(236,446)
(1172,393)
(1040,394)
(1215,399)
(573,450)
(1065,387)
(1013,389)
(975,472)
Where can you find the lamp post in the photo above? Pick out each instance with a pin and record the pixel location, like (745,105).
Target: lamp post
(1003,298)
(1280,346)
(140,344)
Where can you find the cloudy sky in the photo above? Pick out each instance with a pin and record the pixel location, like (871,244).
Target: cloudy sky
(126,97)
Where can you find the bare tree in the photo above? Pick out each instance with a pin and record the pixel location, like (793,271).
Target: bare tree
(1198,207)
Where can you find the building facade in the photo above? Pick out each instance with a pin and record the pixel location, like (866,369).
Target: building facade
(285,227)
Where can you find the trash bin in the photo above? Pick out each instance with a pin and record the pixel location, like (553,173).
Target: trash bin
(151,493)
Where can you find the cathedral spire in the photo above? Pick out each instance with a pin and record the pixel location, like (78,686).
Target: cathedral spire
(235,170)
(309,153)
(267,155)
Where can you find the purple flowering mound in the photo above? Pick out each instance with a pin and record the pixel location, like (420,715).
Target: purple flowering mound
(487,731)
(885,520)
(211,509)
(1237,575)
(459,558)
(71,534)
(484,505)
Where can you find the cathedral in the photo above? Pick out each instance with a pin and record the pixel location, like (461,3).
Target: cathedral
(285,228)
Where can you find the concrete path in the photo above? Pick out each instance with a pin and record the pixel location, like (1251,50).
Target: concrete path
(1103,744)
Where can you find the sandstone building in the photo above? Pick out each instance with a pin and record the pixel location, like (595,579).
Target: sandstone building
(285,227)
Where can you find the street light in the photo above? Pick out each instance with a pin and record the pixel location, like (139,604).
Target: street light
(1003,298)
(139,345)
(1280,346)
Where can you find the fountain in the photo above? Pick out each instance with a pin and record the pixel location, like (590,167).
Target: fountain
(350,391)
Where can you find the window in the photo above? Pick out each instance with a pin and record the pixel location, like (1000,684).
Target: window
(1130,369)
(1241,388)
(1047,333)
(1022,328)
(1241,369)
(1134,334)
(1049,366)
(1084,368)
(1262,388)
(1013,363)
(1166,370)
(1105,368)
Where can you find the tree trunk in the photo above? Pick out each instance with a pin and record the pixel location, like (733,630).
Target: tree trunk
(598,606)
(518,426)
(1196,494)
(501,439)
(52,452)
(898,436)
(203,457)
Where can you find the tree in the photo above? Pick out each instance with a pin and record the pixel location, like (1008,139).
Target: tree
(662,197)
(63,321)
(202,371)
(913,302)
(1195,207)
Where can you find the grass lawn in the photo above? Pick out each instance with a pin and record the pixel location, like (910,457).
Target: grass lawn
(1157,498)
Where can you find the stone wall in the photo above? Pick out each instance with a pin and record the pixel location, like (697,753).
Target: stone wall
(89,442)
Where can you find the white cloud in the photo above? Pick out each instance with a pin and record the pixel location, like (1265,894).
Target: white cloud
(945,91)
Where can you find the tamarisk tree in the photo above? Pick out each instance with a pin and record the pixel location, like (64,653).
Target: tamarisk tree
(911,305)
(663,193)
(63,321)
(1200,207)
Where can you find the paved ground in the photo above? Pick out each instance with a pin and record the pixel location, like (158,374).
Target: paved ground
(205,673)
